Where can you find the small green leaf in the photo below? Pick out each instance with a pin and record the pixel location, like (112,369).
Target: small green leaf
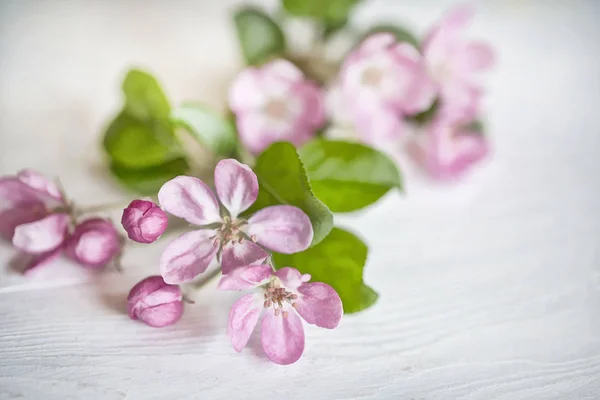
(144,97)
(338,261)
(330,12)
(348,176)
(132,143)
(401,34)
(210,129)
(282,180)
(260,37)
(476,127)
(147,181)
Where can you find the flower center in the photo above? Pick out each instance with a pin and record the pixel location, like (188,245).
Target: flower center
(231,231)
(276,296)
(371,76)
(276,109)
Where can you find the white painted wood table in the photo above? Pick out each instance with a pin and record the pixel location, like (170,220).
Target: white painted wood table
(489,290)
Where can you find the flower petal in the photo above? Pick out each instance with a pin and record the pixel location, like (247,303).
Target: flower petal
(282,337)
(162,314)
(236,184)
(291,277)
(285,229)
(246,277)
(43,235)
(319,304)
(242,320)
(23,214)
(239,254)
(39,182)
(480,56)
(191,199)
(313,104)
(377,42)
(245,92)
(39,260)
(283,69)
(187,256)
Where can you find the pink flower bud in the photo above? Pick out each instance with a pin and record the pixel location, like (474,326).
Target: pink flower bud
(94,243)
(144,221)
(155,302)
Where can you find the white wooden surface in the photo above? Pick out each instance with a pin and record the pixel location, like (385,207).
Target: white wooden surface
(489,290)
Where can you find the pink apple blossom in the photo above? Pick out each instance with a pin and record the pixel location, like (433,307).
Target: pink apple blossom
(144,221)
(447,148)
(380,82)
(94,243)
(273,103)
(454,62)
(285,296)
(155,302)
(282,228)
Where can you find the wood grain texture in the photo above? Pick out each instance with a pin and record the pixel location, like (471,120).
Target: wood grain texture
(489,289)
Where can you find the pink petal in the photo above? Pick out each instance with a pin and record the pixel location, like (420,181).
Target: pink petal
(242,320)
(239,254)
(187,256)
(142,289)
(480,56)
(283,69)
(282,337)
(155,302)
(161,315)
(40,183)
(291,277)
(255,133)
(458,17)
(245,92)
(43,235)
(191,199)
(313,104)
(23,214)
(13,193)
(285,229)
(39,260)
(376,42)
(246,277)
(376,124)
(237,186)
(319,304)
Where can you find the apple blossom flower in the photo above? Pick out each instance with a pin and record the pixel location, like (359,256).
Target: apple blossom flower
(144,221)
(447,148)
(282,228)
(155,302)
(285,296)
(380,83)
(453,63)
(273,103)
(94,243)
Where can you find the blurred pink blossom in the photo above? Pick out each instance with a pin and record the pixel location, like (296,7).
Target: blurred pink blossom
(94,243)
(155,302)
(285,296)
(275,102)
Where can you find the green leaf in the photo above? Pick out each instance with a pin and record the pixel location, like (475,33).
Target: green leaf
(260,37)
(348,176)
(330,12)
(339,261)
(282,180)
(401,34)
(132,143)
(426,116)
(476,127)
(144,97)
(147,181)
(210,129)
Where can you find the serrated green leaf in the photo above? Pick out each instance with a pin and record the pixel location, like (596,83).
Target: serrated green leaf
(144,98)
(401,34)
(147,181)
(209,128)
(132,143)
(282,180)
(348,176)
(339,261)
(260,37)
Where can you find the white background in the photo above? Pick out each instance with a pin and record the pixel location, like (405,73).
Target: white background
(489,289)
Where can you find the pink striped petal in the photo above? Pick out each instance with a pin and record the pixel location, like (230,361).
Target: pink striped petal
(285,229)
(376,42)
(162,314)
(313,104)
(239,254)
(319,304)
(191,199)
(282,337)
(43,235)
(291,278)
(480,56)
(246,277)
(283,69)
(237,186)
(187,256)
(39,182)
(23,214)
(245,92)
(243,317)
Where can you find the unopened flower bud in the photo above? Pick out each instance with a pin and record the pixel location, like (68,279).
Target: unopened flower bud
(144,221)
(94,243)
(155,302)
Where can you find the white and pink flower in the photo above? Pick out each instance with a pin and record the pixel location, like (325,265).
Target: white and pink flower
(155,303)
(94,243)
(286,297)
(454,63)
(238,241)
(274,103)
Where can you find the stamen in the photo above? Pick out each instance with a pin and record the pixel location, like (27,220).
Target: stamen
(253,237)
(294,296)
(295,305)
(284,314)
(277,312)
